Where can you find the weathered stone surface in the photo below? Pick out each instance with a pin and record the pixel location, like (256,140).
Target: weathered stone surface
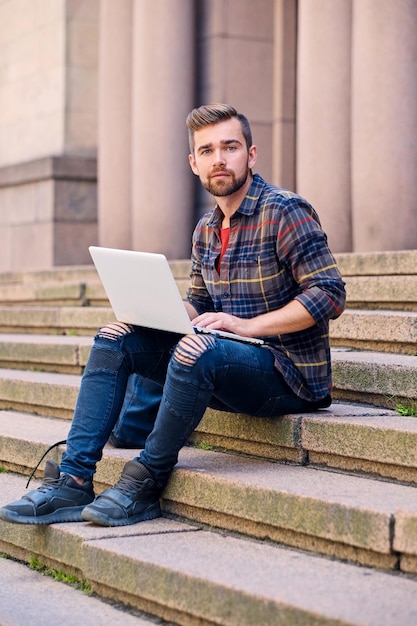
(277,438)
(284,496)
(387,331)
(405,537)
(30,597)
(386,380)
(179,571)
(345,516)
(377,263)
(39,392)
(382,292)
(377,437)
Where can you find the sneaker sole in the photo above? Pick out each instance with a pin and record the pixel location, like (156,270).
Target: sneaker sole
(96,517)
(69,514)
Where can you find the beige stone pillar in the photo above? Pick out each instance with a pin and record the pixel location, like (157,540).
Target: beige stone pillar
(163,90)
(236,50)
(384,174)
(323,114)
(114,136)
(284,93)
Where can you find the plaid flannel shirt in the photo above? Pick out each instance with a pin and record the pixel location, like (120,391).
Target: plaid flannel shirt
(277,252)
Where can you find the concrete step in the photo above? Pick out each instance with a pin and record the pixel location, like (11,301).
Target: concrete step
(381,300)
(340,483)
(380,280)
(48,394)
(388,263)
(382,292)
(348,517)
(253,583)
(368,292)
(388,331)
(349,436)
(54,320)
(385,380)
(75,274)
(385,280)
(30,597)
(78,286)
(56,293)
(62,353)
(50,293)
(383,331)
(190,575)
(64,274)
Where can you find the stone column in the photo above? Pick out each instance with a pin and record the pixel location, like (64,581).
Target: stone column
(114,136)
(163,91)
(384,174)
(323,114)
(284,93)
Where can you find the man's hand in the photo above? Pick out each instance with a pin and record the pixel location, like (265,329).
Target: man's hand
(292,318)
(224,321)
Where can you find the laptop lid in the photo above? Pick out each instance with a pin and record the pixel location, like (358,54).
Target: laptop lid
(141,289)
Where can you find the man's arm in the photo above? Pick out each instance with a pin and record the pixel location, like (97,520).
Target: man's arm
(292,318)
(192,313)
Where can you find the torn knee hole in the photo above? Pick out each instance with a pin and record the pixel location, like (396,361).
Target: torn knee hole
(190,348)
(114,331)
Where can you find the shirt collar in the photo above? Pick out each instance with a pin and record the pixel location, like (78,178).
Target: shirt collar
(249,201)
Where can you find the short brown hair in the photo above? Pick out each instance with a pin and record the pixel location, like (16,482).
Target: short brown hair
(213,114)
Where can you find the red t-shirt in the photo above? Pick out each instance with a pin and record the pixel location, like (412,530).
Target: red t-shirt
(224,236)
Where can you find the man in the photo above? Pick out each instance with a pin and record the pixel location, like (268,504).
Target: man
(261,267)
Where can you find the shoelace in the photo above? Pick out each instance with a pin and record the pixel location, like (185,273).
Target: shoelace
(46,480)
(49,483)
(125,484)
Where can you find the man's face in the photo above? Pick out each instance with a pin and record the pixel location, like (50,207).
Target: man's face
(221,158)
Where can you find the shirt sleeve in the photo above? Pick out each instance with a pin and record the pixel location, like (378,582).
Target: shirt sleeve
(302,247)
(197,294)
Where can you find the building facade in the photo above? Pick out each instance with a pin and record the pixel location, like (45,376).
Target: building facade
(94,96)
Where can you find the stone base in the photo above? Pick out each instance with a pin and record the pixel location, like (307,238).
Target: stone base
(48,213)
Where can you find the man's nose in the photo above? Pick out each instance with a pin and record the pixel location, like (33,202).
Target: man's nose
(219,157)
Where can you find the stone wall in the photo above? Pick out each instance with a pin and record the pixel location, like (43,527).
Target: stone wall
(99,91)
(48,212)
(48,131)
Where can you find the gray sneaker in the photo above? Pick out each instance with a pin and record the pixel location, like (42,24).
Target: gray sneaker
(59,499)
(134,498)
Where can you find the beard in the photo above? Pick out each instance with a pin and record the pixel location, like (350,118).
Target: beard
(221,187)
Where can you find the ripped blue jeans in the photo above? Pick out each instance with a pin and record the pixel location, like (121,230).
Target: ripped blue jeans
(194,372)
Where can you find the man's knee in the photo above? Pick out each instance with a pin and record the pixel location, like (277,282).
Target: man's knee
(102,356)
(114,331)
(191,347)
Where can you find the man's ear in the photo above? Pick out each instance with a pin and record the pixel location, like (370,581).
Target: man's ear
(193,164)
(253,155)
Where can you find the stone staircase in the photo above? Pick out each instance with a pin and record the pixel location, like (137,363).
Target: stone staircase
(309,519)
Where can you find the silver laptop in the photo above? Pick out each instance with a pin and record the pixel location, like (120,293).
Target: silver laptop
(142,291)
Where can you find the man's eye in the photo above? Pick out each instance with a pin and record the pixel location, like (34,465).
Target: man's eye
(231,148)
(207,151)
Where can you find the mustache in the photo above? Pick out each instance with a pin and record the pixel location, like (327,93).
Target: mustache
(220,170)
